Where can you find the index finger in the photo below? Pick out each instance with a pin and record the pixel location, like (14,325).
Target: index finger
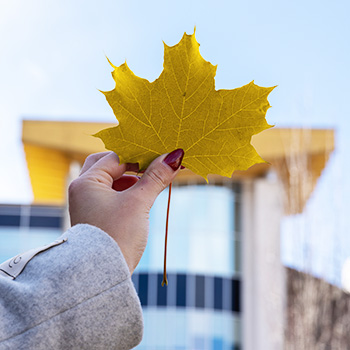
(107,169)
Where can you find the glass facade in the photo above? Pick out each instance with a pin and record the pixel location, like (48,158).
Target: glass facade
(192,312)
(200,307)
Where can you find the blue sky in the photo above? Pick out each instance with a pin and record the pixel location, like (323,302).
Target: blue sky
(52,64)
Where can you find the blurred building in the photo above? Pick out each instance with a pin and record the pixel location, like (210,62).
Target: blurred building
(226,280)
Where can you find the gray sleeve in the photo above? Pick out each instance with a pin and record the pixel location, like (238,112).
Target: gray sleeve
(75,295)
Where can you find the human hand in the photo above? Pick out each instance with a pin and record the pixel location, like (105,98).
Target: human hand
(119,204)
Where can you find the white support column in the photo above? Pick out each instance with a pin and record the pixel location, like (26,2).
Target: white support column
(263,281)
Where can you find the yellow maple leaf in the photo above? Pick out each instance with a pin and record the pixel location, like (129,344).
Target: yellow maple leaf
(182,109)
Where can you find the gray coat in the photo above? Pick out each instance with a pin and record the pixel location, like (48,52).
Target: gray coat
(75,294)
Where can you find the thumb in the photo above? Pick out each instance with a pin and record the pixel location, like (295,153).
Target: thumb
(160,173)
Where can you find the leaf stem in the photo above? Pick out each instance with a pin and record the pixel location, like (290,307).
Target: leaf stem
(165,280)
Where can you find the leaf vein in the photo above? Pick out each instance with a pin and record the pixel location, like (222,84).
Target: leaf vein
(224,121)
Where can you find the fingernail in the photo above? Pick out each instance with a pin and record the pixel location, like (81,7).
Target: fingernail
(174,158)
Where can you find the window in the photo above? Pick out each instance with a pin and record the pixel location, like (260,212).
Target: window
(204,227)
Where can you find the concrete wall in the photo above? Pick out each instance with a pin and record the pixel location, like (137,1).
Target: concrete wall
(318,314)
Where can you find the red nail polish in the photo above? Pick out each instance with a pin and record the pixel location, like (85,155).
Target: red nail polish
(174,158)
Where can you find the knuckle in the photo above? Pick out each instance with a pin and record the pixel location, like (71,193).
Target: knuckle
(157,176)
(74,187)
(91,157)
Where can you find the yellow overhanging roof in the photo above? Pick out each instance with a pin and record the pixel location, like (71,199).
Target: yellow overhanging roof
(50,146)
